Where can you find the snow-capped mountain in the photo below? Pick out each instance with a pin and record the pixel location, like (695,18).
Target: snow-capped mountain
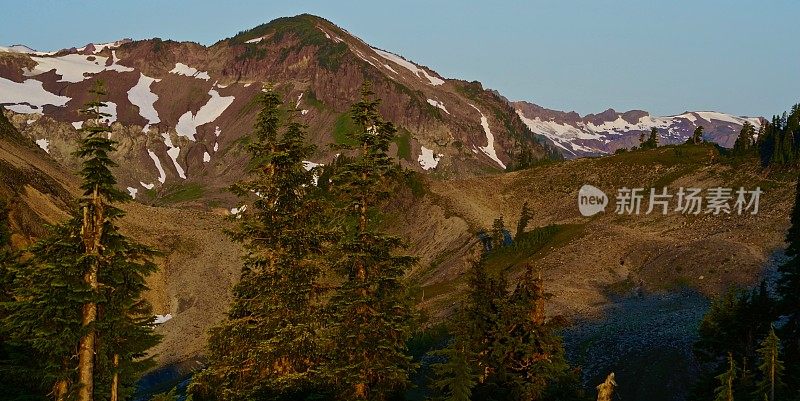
(597,134)
(180,109)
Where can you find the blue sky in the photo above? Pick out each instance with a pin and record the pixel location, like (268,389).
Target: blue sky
(740,57)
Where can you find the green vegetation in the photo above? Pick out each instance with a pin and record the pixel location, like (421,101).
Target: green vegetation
(529,246)
(303,28)
(177,193)
(403,142)
(341,127)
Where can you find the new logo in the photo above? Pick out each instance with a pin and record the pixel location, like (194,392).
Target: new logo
(591,200)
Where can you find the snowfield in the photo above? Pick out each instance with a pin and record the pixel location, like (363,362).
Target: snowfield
(488,150)
(188,123)
(30,92)
(420,72)
(72,67)
(183,69)
(142,97)
(428,160)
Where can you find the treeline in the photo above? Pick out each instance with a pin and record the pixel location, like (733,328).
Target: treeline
(749,346)
(73,325)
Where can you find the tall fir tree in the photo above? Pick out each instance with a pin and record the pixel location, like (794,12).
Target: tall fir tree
(269,347)
(371,311)
(771,367)
(79,298)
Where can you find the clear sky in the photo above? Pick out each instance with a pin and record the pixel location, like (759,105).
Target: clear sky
(736,56)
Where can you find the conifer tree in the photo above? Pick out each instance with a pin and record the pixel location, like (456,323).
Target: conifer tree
(371,313)
(771,367)
(744,142)
(498,229)
(652,140)
(80,296)
(456,376)
(524,218)
(269,346)
(697,135)
(789,292)
(725,390)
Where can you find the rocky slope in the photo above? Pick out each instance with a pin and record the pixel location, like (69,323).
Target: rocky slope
(597,134)
(182,109)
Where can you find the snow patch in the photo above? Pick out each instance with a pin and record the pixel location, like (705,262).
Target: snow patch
(142,97)
(77,124)
(428,160)
(188,123)
(419,72)
(147,186)
(44,144)
(31,92)
(162,176)
(161,319)
(206,157)
(488,150)
(183,69)
(109,108)
(173,152)
(256,40)
(117,67)
(436,103)
(237,211)
(133,191)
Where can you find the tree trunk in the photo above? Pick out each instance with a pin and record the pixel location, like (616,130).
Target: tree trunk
(92,231)
(115,380)
(772,375)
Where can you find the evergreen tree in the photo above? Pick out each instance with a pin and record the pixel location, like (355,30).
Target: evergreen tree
(524,218)
(498,229)
(766,143)
(652,140)
(18,362)
(744,142)
(80,296)
(371,312)
(725,390)
(269,346)
(508,343)
(455,376)
(771,367)
(697,135)
(789,294)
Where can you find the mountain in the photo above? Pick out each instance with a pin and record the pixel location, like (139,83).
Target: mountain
(603,133)
(181,110)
